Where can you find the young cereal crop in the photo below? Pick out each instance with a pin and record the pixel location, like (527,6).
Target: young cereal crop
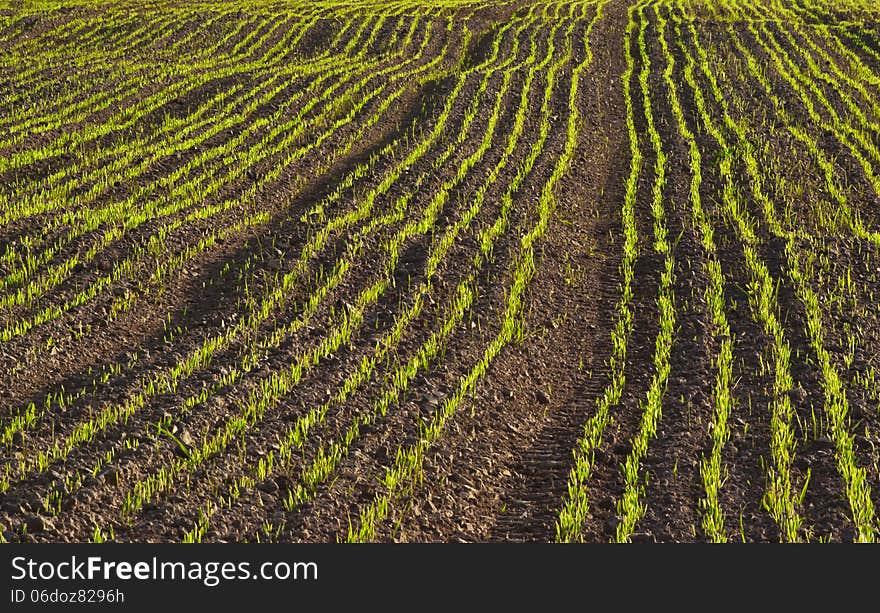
(516,270)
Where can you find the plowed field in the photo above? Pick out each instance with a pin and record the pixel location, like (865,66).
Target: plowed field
(446,271)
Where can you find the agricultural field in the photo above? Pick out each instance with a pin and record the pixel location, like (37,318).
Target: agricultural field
(509,270)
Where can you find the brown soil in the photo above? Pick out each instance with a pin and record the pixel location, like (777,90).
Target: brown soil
(499,468)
